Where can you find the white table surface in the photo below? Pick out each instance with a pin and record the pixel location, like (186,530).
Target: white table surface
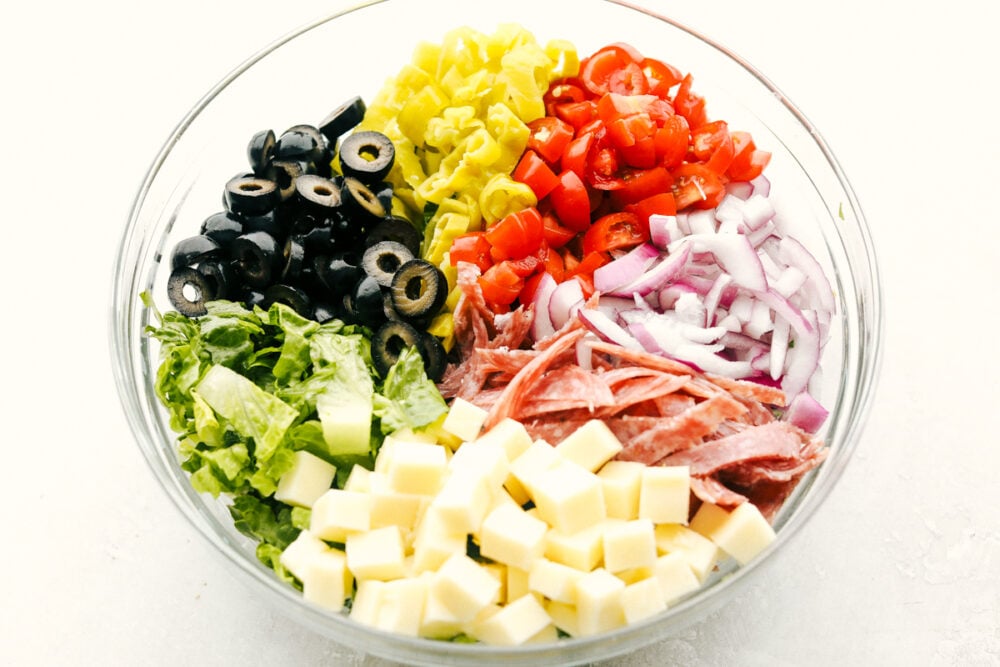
(901,566)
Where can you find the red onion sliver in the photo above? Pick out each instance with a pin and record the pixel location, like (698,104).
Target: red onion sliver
(625,269)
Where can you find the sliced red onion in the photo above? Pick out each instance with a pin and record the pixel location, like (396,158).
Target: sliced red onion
(757,210)
(735,254)
(607,329)
(793,253)
(714,295)
(566,299)
(765,232)
(779,348)
(656,277)
(787,310)
(668,296)
(802,359)
(740,189)
(702,222)
(585,353)
(690,308)
(761,185)
(662,229)
(625,269)
(613,305)
(789,281)
(729,209)
(541,324)
(760,321)
(806,412)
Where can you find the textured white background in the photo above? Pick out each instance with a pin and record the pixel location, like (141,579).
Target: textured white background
(900,566)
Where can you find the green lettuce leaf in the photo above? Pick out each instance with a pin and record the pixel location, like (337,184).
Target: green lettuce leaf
(408,398)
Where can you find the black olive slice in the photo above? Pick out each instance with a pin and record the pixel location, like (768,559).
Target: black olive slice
(256,257)
(367,302)
(260,151)
(383,192)
(189,291)
(418,289)
(194,249)
(382,260)
(264,222)
(395,229)
(320,195)
(284,173)
(300,142)
(360,200)
(293,255)
(367,156)
(249,195)
(223,227)
(318,239)
(324,312)
(434,354)
(340,273)
(219,273)
(342,119)
(289,295)
(389,342)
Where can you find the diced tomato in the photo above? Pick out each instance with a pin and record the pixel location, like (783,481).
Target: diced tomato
(659,204)
(577,114)
(597,70)
(549,137)
(530,287)
(604,163)
(671,141)
(590,263)
(472,247)
(574,158)
(614,231)
(696,185)
(554,265)
(712,144)
(517,234)
(525,266)
(555,234)
(643,183)
(689,104)
(660,76)
(628,80)
(571,201)
(501,285)
(535,173)
(625,131)
(748,161)
(586,284)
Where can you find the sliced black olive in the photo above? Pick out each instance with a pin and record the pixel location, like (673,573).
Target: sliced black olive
(360,200)
(219,273)
(260,151)
(382,260)
(383,192)
(434,354)
(395,229)
(293,254)
(253,298)
(389,342)
(284,173)
(304,143)
(342,119)
(366,302)
(324,312)
(223,227)
(268,221)
(249,195)
(318,239)
(418,289)
(256,258)
(317,194)
(291,296)
(348,229)
(194,249)
(189,291)
(340,273)
(367,156)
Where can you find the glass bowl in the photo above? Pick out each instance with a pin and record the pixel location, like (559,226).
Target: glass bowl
(184,183)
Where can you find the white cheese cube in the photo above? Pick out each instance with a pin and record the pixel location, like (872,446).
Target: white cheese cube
(464,420)
(485,459)
(665,494)
(463,502)
(511,536)
(642,600)
(409,435)
(376,554)
(546,635)
(326,580)
(499,572)
(309,478)
(599,602)
(435,542)
(553,580)
(367,600)
(629,545)
(529,464)
(742,533)
(464,586)
(568,497)
(699,551)
(564,616)
(358,479)
(511,435)
(517,583)
(401,605)
(471,627)
(515,623)
(621,481)
(417,467)
(297,556)
(438,621)
(338,513)
(590,446)
(675,577)
(582,550)
(393,508)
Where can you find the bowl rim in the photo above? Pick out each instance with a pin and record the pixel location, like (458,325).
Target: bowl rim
(125,367)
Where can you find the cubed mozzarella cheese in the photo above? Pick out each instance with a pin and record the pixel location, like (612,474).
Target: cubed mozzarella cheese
(401,605)
(338,513)
(463,502)
(376,554)
(621,481)
(464,420)
(393,508)
(569,498)
(564,616)
(326,580)
(629,545)
(464,586)
(309,478)
(435,542)
(417,467)
(590,446)
(665,494)
(517,583)
(511,536)
(358,480)
(515,623)
(298,555)
(553,580)
(486,459)
(699,551)
(367,600)
(437,620)
(599,602)
(511,435)
(742,533)
(641,600)
(582,550)
(528,465)
(675,577)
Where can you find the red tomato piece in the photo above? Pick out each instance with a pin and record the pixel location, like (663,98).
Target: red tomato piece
(643,183)
(614,231)
(659,204)
(748,161)
(556,236)
(549,137)
(671,141)
(500,284)
(535,173)
(689,104)
(712,145)
(660,76)
(629,80)
(597,70)
(591,262)
(696,185)
(571,201)
(574,158)
(472,247)
(516,235)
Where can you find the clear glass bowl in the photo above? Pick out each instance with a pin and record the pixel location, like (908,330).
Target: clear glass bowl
(184,185)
